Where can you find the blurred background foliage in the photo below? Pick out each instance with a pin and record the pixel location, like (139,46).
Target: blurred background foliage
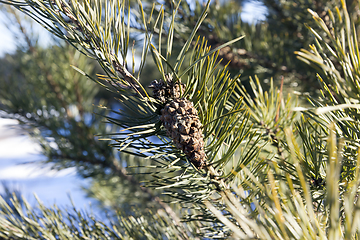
(295,165)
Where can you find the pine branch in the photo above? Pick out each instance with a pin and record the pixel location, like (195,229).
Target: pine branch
(127,76)
(121,172)
(21,221)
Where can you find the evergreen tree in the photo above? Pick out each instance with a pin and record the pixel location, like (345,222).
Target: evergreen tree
(200,152)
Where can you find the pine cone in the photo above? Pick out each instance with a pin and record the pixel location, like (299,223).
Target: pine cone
(166,91)
(183,126)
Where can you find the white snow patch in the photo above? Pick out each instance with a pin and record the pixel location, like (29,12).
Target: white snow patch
(12,143)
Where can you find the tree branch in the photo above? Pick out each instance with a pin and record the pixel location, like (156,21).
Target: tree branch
(121,172)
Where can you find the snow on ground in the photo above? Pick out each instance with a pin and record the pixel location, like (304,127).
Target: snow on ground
(49,185)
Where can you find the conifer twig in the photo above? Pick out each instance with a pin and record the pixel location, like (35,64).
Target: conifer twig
(120,171)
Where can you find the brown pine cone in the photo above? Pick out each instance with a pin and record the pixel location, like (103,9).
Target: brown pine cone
(183,126)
